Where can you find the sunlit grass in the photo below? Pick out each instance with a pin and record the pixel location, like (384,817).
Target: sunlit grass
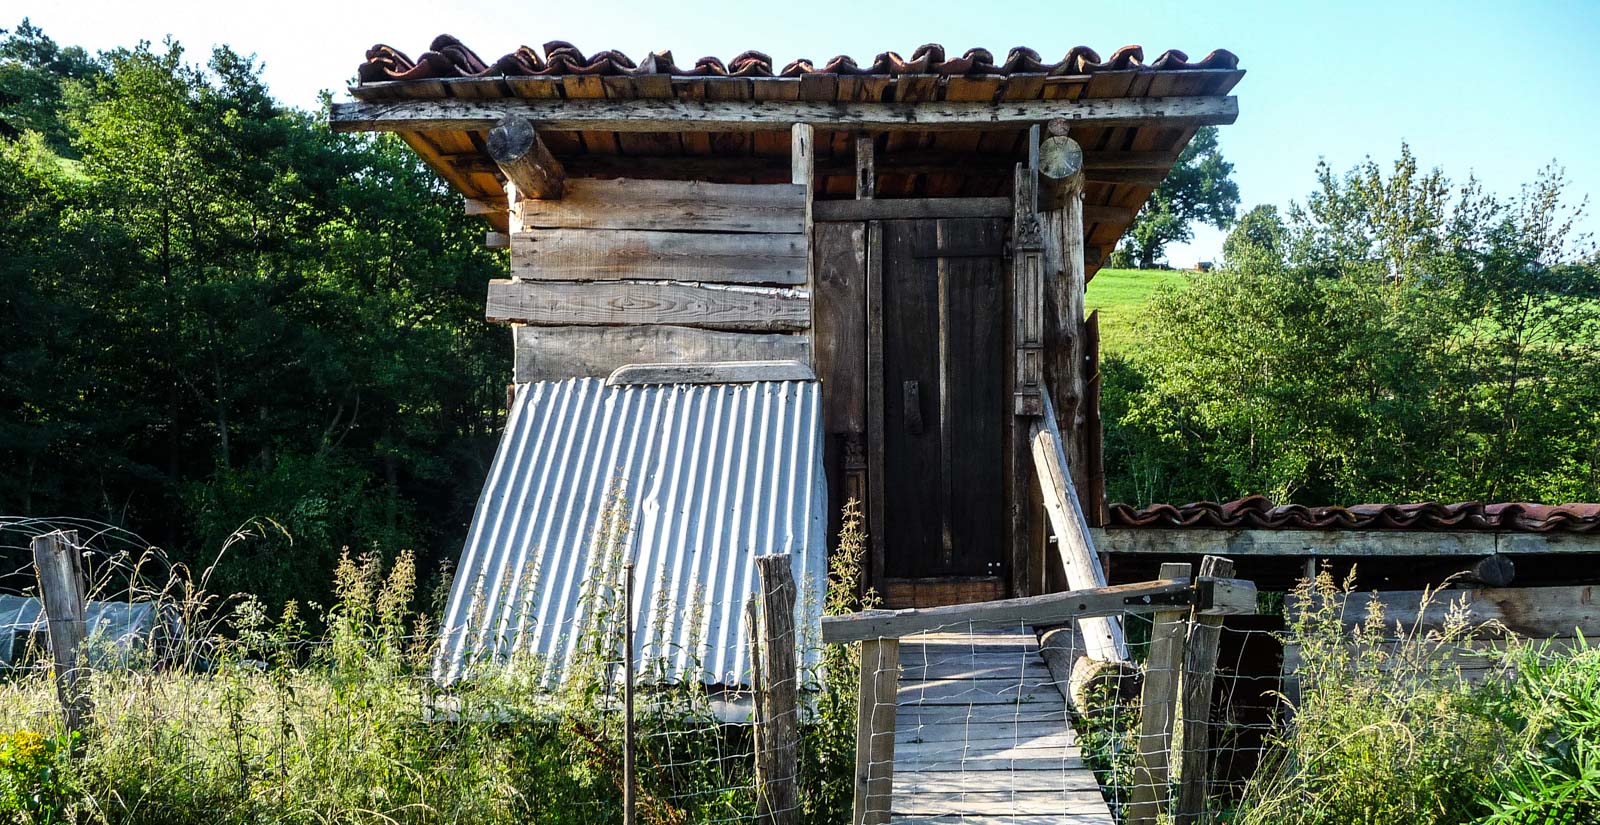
(1118,294)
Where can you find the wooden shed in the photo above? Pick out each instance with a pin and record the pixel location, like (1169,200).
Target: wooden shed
(917,233)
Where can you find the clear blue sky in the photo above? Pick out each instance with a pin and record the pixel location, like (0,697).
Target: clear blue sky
(1496,88)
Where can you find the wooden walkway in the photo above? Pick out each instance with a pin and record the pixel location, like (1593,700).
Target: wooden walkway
(982,737)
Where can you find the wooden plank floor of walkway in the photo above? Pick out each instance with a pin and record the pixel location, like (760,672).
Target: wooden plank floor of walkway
(982,737)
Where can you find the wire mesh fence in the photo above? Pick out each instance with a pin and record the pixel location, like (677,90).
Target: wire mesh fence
(218,711)
(200,709)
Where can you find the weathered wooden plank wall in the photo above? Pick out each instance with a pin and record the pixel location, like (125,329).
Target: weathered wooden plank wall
(623,272)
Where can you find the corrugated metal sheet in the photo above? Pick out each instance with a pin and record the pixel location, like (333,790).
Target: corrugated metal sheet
(692,481)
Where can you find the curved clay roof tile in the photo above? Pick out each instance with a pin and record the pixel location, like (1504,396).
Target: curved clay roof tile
(1023,60)
(449,57)
(798,67)
(751,64)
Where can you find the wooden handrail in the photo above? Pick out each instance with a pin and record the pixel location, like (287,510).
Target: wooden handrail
(1215,597)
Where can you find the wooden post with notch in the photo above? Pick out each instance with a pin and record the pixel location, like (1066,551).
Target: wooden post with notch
(1199,672)
(778,761)
(875,710)
(525,160)
(61,587)
(1158,701)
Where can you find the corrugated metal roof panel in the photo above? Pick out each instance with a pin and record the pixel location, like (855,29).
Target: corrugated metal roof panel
(690,482)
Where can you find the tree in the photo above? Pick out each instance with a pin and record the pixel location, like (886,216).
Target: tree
(1197,189)
(1395,337)
(225,312)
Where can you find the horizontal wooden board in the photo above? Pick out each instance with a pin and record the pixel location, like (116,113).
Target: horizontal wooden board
(1229,596)
(999,803)
(979,730)
(1088,816)
(876,209)
(609,254)
(980,742)
(1198,541)
(1004,667)
(1000,717)
(625,303)
(674,206)
(980,691)
(551,353)
(652,115)
(956,781)
(720,372)
(1535,612)
(957,762)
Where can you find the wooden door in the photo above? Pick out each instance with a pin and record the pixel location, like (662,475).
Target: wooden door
(943,385)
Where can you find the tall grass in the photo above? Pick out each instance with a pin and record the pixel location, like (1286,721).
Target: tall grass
(326,714)
(1387,727)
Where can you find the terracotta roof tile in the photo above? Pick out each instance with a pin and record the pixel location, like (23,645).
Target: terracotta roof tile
(448,57)
(1259,513)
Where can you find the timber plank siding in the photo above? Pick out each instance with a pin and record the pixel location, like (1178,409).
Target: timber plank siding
(603,255)
(625,304)
(554,353)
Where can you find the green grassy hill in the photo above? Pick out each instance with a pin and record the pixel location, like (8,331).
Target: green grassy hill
(1118,294)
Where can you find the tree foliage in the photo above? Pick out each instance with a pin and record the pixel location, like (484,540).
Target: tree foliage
(1199,188)
(1395,337)
(223,311)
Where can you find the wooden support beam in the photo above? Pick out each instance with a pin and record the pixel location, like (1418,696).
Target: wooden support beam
(866,169)
(496,240)
(1227,597)
(1066,355)
(877,418)
(61,588)
(1199,672)
(776,169)
(523,158)
(876,704)
(802,154)
(1136,177)
(779,762)
(1027,268)
(889,209)
(1060,168)
(1107,214)
(660,115)
(1025,345)
(1158,705)
(1080,566)
(477,207)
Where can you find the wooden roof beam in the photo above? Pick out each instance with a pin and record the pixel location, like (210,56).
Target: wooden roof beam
(647,115)
(524,159)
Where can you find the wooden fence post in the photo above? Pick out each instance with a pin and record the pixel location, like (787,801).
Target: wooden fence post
(1158,701)
(778,760)
(61,587)
(1199,671)
(875,710)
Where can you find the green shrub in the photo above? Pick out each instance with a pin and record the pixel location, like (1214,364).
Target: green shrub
(1385,730)
(1554,777)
